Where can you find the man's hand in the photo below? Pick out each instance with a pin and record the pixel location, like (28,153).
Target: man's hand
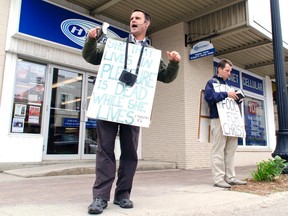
(174,56)
(233,95)
(93,32)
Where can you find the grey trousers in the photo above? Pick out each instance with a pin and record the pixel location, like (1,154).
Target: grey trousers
(106,163)
(222,155)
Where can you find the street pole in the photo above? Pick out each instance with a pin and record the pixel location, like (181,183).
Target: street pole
(281,89)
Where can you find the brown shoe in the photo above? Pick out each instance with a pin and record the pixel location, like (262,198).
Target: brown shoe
(222,184)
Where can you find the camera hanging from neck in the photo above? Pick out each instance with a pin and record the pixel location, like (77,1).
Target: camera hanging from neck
(127,77)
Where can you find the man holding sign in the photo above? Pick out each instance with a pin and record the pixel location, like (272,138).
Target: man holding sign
(129,133)
(223,102)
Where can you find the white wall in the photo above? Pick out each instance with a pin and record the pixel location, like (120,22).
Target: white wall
(261,19)
(4,14)
(19,147)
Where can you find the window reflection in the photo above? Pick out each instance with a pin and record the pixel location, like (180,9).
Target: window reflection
(254,122)
(28,97)
(64,122)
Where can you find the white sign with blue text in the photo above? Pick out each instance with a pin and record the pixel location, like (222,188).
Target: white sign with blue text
(113,100)
(201,49)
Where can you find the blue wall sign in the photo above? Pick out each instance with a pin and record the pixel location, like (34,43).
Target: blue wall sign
(50,22)
(234,79)
(201,49)
(252,84)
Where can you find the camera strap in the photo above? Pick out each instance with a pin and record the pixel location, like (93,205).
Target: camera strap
(140,57)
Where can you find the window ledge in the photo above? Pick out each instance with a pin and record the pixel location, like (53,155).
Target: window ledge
(254,149)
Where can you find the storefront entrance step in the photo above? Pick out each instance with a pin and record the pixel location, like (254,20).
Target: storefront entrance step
(70,168)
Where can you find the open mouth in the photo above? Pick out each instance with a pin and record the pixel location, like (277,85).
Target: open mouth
(134,25)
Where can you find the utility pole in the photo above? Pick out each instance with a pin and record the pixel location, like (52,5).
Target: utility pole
(281,89)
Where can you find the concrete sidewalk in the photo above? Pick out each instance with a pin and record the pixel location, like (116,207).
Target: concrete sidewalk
(55,168)
(161,192)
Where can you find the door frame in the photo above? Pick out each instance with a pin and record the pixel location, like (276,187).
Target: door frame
(83,117)
(83,108)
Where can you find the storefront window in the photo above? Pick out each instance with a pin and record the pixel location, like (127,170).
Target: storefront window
(254,122)
(28,97)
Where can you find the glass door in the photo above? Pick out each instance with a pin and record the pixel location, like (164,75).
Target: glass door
(69,134)
(65,111)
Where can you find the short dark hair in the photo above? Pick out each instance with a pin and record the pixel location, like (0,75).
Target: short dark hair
(147,16)
(223,62)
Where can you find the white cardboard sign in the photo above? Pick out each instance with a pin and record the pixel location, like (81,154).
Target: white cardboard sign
(230,118)
(112,100)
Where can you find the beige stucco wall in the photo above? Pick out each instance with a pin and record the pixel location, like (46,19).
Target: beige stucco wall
(173,134)
(4,13)
(166,135)
(249,156)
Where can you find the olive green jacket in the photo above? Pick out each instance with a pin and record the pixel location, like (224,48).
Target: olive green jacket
(92,53)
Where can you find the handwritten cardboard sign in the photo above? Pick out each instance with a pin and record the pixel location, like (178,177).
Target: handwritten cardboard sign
(230,118)
(112,100)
